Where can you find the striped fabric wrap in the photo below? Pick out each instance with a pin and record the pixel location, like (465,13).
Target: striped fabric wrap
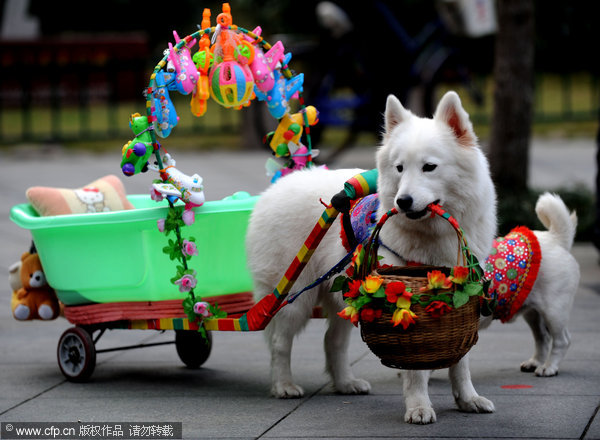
(362,184)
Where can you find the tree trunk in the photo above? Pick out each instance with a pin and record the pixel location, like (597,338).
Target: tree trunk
(513,95)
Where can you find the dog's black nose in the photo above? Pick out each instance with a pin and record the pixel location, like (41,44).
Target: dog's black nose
(404,202)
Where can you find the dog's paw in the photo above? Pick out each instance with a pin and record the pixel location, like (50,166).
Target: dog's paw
(354,386)
(477,404)
(529,366)
(421,415)
(546,371)
(287,390)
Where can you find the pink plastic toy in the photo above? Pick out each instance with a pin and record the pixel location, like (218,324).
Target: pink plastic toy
(186,73)
(264,63)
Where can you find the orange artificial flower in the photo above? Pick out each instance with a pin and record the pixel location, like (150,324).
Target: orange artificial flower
(437,280)
(371,284)
(404,317)
(351,314)
(460,274)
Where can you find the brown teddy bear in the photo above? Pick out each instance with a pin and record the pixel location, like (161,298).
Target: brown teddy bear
(35,299)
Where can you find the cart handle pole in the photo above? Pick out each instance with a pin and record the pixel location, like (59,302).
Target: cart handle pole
(263,311)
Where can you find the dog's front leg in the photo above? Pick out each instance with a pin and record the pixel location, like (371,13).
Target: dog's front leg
(465,396)
(336,343)
(416,397)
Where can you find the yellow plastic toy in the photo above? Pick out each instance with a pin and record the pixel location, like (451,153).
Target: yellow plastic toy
(290,130)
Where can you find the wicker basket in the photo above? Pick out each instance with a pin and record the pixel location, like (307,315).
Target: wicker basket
(432,342)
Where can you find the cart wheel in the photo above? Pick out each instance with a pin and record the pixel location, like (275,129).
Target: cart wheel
(76,354)
(192,348)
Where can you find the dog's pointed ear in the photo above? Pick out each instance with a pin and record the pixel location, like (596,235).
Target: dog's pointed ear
(394,114)
(451,112)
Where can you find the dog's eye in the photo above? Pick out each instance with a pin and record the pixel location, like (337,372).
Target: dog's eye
(428,167)
(400,168)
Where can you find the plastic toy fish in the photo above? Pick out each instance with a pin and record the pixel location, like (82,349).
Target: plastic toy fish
(186,74)
(278,97)
(136,152)
(178,185)
(263,64)
(290,129)
(163,108)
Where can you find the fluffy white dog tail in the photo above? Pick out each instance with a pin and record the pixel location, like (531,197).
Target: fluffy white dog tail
(555,216)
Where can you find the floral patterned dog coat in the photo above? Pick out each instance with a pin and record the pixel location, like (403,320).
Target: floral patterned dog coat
(512,267)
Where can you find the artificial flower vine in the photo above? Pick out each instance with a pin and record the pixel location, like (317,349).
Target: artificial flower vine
(182,250)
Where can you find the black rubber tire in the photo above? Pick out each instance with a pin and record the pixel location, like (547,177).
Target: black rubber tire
(192,348)
(76,354)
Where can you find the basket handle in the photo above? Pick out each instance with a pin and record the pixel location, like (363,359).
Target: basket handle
(468,260)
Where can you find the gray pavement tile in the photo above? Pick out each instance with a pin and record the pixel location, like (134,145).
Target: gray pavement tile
(593,432)
(382,416)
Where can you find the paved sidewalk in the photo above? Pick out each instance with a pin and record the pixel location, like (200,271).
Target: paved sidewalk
(228,396)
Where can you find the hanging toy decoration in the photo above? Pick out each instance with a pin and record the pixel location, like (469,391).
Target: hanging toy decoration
(278,97)
(233,66)
(230,78)
(290,130)
(186,74)
(163,108)
(263,64)
(137,152)
(178,185)
(203,60)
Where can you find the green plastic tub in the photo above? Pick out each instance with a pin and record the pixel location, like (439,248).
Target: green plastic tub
(117,256)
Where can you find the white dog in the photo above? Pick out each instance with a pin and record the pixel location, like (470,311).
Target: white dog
(548,306)
(421,161)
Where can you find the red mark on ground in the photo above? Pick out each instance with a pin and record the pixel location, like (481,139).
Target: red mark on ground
(516,387)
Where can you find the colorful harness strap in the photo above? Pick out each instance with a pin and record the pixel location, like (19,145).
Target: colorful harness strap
(512,267)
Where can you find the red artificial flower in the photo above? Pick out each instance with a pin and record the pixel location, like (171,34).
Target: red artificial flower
(460,274)
(369,315)
(395,290)
(437,308)
(354,291)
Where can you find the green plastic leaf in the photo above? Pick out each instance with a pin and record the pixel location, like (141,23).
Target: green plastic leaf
(216,311)
(361,301)
(380,293)
(338,283)
(188,308)
(460,298)
(473,289)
